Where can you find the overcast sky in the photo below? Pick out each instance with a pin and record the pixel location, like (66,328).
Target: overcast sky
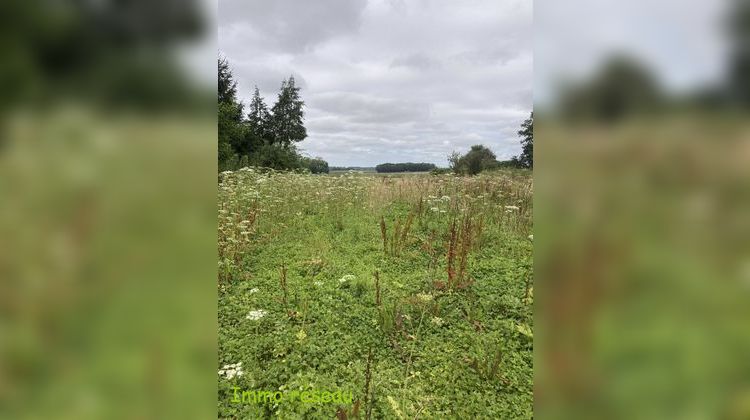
(389,80)
(683,42)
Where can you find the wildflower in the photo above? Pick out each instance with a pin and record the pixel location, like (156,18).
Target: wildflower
(437,321)
(318,283)
(424,297)
(346,278)
(511,208)
(256,314)
(231,370)
(525,330)
(253,290)
(301,335)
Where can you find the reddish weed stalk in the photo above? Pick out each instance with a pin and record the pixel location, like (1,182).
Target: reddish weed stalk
(377,288)
(461,239)
(399,235)
(383,234)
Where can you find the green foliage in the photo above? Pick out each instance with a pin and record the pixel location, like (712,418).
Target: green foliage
(526,159)
(622,88)
(259,119)
(261,138)
(478,159)
(405,167)
(287,121)
(441,171)
(435,352)
(112,54)
(316,165)
(739,63)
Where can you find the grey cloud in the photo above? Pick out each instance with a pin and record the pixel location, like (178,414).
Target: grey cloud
(294,25)
(416,61)
(390,80)
(369,109)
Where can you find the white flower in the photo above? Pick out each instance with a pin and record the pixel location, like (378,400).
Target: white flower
(346,278)
(253,290)
(511,208)
(256,314)
(318,283)
(231,370)
(438,321)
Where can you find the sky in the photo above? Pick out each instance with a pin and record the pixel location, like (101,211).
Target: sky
(682,42)
(389,80)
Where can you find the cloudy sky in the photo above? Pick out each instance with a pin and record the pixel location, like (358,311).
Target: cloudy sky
(683,42)
(389,80)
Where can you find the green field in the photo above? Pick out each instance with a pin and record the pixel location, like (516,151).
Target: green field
(413,293)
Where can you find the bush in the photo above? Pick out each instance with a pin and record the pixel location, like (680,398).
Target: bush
(316,165)
(478,159)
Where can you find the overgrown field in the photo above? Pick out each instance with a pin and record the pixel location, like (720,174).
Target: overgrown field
(414,293)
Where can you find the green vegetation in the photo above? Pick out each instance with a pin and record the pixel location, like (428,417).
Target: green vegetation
(405,167)
(480,158)
(413,292)
(261,138)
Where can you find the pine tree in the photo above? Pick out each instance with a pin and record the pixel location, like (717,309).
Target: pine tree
(259,118)
(227,92)
(288,117)
(526,159)
(230,130)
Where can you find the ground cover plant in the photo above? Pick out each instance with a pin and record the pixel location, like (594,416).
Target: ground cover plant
(414,293)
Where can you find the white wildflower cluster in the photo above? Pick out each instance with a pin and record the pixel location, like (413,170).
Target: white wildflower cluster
(437,321)
(253,290)
(231,371)
(318,283)
(346,278)
(436,203)
(256,314)
(424,297)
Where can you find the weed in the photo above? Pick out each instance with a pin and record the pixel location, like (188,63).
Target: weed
(320,228)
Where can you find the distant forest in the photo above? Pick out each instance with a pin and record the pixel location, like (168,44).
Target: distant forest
(352,168)
(405,167)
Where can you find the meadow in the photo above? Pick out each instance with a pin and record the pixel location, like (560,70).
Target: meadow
(413,293)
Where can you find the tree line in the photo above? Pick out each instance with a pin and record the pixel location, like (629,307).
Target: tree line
(405,167)
(479,158)
(261,136)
